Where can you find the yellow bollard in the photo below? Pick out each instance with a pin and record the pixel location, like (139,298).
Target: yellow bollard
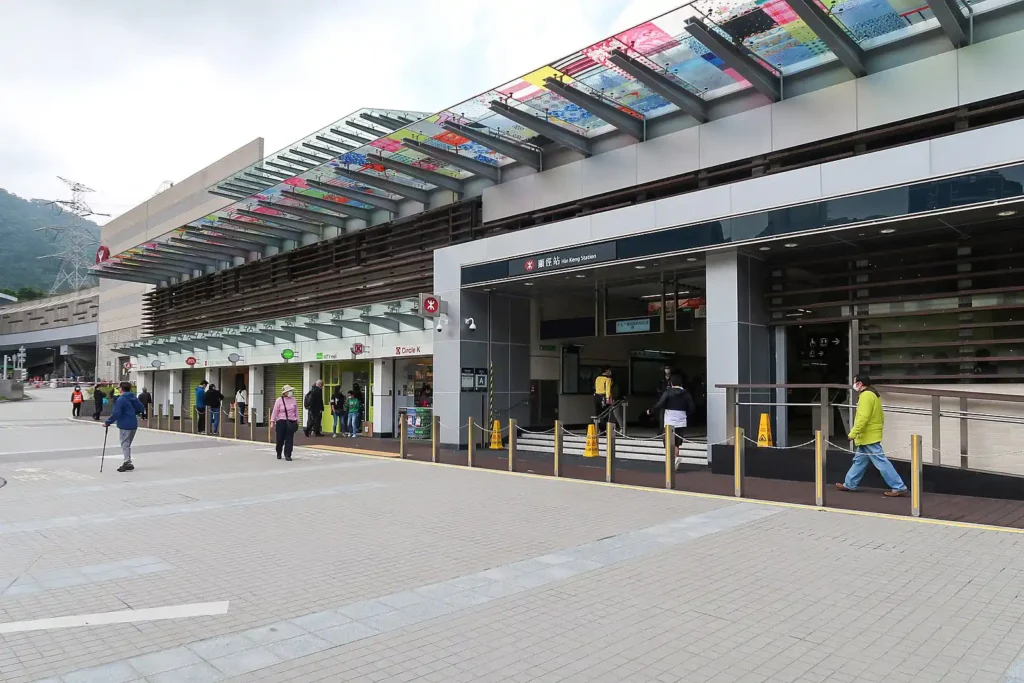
(916,475)
(670,458)
(819,469)
(195,418)
(471,441)
(496,444)
(403,428)
(558,448)
(591,450)
(739,465)
(270,435)
(511,444)
(435,438)
(609,460)
(252,425)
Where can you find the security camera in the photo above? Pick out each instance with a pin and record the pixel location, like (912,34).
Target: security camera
(471,323)
(440,325)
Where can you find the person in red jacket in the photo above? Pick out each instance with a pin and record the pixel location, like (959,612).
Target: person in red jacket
(76,401)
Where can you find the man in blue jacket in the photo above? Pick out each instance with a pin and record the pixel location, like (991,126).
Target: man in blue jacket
(201,407)
(126,410)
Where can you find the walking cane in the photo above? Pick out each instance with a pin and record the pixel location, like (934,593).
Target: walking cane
(106,430)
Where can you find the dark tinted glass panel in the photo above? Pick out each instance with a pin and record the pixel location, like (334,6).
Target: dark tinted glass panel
(866,207)
(567,328)
(484,272)
(677,239)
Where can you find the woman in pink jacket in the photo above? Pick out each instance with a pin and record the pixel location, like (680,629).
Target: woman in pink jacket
(286,421)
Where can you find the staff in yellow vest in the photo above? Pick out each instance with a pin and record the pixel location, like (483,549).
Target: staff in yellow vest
(603,390)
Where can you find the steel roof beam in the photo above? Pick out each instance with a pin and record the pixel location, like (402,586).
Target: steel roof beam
(365,197)
(274,174)
(291,169)
(247,185)
(457,160)
(401,189)
(383,120)
(562,136)
(246,191)
(244,236)
(238,240)
(432,177)
(335,143)
(351,136)
(634,126)
(524,155)
(367,129)
(353,211)
(206,260)
(831,33)
(141,279)
(263,181)
(168,261)
(225,251)
(228,195)
(139,269)
(302,163)
(687,101)
(951,19)
(737,57)
(312,157)
(261,229)
(287,223)
(328,218)
(332,153)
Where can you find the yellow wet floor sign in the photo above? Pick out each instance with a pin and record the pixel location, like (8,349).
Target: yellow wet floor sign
(591,449)
(496,444)
(764,432)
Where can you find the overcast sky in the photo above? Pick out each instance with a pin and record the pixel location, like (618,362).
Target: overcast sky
(124,94)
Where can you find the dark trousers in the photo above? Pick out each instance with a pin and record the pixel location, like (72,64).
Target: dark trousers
(200,420)
(314,422)
(240,409)
(96,413)
(145,411)
(285,437)
(76,409)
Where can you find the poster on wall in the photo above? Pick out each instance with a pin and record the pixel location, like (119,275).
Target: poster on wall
(418,423)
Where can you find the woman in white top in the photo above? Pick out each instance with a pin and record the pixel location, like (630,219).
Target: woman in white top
(241,400)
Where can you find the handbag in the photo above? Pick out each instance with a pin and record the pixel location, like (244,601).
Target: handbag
(293,425)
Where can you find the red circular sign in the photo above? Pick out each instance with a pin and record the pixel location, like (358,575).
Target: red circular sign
(431,305)
(190,361)
(102,254)
(358,349)
(529,265)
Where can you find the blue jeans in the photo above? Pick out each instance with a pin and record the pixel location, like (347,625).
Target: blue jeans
(353,423)
(214,420)
(874,454)
(338,419)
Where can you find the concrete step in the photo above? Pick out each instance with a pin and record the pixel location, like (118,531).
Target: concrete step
(628,449)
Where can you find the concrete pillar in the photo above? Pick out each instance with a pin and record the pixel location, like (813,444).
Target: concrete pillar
(174,380)
(213,377)
(738,349)
(255,387)
(310,374)
(383,397)
(161,390)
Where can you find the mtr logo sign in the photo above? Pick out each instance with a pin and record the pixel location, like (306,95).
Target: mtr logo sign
(431,306)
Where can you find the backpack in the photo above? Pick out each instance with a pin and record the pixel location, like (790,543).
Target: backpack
(306,400)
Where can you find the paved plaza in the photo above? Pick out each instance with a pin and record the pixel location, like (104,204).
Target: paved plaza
(214,561)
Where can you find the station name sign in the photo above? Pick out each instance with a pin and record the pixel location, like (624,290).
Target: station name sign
(561,260)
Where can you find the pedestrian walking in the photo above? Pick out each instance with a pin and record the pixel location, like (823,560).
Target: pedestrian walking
(314,405)
(339,412)
(201,407)
(241,401)
(212,400)
(98,397)
(677,405)
(125,414)
(146,399)
(354,406)
(867,438)
(285,418)
(76,401)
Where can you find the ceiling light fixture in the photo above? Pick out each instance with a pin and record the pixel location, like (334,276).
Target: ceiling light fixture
(581,276)
(764,248)
(790,245)
(887,231)
(639,267)
(691,259)
(1007,213)
(528,284)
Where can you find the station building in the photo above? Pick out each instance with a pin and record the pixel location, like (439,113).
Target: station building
(777,192)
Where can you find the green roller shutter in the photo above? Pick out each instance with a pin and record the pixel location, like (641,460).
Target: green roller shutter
(288,373)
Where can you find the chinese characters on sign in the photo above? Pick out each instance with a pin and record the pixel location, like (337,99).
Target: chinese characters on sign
(560,260)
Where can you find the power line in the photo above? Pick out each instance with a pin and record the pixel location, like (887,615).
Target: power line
(76,243)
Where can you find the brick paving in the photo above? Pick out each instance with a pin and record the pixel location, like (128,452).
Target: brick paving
(345,568)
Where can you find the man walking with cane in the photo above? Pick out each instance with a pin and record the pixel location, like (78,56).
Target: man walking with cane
(125,414)
(867,437)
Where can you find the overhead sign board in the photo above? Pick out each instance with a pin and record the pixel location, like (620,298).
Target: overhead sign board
(633,326)
(563,259)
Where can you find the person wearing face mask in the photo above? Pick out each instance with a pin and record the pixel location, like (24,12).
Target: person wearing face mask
(867,437)
(76,401)
(285,417)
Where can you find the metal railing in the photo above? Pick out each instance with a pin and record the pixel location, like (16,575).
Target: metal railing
(935,411)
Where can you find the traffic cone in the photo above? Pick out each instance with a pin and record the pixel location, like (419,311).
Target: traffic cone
(496,444)
(591,451)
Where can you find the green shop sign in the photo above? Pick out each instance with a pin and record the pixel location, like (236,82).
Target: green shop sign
(287,354)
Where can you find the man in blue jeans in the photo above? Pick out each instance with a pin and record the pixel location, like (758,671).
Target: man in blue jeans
(867,437)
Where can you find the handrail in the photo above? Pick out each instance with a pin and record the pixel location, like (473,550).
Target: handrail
(891,389)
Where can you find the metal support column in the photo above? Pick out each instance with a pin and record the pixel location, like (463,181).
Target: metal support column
(936,430)
(558,449)
(470,441)
(609,462)
(670,458)
(403,419)
(916,472)
(512,444)
(739,465)
(963,434)
(435,435)
(820,481)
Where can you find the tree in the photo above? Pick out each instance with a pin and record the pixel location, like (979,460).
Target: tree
(25,293)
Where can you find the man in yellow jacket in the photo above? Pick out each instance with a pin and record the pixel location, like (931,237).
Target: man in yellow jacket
(867,437)
(602,390)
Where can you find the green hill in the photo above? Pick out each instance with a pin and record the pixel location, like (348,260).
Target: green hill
(21,245)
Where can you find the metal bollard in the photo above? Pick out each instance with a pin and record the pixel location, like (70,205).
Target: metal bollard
(236,421)
(252,425)
(195,418)
(819,469)
(471,440)
(670,460)
(609,458)
(512,444)
(435,438)
(159,415)
(558,449)
(403,428)
(270,434)
(916,475)
(739,464)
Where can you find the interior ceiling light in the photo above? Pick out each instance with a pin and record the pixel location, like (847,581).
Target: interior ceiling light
(1007,213)
(528,284)
(691,259)
(764,248)
(581,276)
(639,267)
(887,231)
(790,245)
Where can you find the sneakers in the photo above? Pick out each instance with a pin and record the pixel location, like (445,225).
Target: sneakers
(126,467)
